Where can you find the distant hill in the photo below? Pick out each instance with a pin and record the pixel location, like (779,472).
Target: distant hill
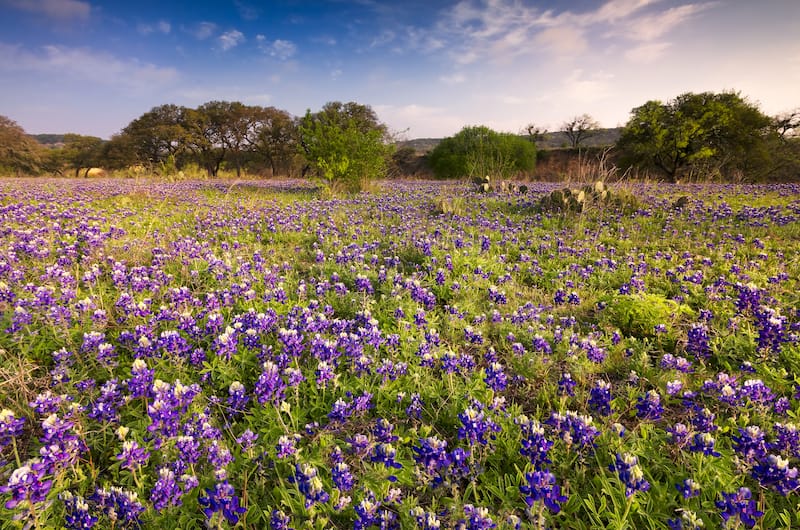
(551,140)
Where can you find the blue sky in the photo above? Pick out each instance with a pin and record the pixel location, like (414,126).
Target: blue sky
(428,68)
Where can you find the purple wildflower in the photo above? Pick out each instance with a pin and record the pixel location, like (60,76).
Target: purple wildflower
(739,505)
(541,485)
(630,473)
(221,498)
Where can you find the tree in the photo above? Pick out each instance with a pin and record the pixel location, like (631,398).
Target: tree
(157,135)
(345,144)
(697,133)
(478,151)
(535,132)
(19,153)
(82,152)
(274,138)
(579,128)
(787,124)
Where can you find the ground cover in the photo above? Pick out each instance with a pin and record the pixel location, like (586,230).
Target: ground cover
(174,355)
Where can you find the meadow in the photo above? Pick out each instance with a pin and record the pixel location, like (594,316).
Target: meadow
(258,355)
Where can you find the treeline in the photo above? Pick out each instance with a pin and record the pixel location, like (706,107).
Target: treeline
(341,141)
(705,136)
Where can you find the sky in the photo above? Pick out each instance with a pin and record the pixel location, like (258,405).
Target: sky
(427,67)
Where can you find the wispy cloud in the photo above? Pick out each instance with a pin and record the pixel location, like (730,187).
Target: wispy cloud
(499,30)
(86,65)
(56,9)
(162,26)
(279,48)
(230,39)
(201,30)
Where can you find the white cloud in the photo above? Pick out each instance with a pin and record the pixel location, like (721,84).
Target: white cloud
(57,9)
(279,48)
(162,26)
(230,39)
(569,40)
(202,30)
(87,65)
(654,26)
(500,30)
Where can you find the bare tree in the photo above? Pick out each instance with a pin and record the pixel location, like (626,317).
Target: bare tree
(579,129)
(787,125)
(535,132)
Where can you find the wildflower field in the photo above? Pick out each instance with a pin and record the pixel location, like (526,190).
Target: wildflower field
(250,355)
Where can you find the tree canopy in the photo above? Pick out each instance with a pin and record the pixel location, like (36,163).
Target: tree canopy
(478,151)
(19,153)
(698,133)
(345,144)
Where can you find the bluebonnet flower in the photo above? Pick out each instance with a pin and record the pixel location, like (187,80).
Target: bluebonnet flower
(772,330)
(118,504)
(309,484)
(270,387)
(630,473)
(475,426)
(414,409)
(342,477)
(688,521)
(141,379)
(594,353)
(27,484)
(132,455)
(574,428)
(787,439)
(649,406)
(496,378)
(10,428)
(600,398)
(674,387)
(698,341)
(425,520)
(385,453)
(542,485)
(188,448)
(750,443)
(688,488)
(756,391)
(383,431)
(774,472)
(478,518)
(325,374)
(366,512)
(566,384)
(166,491)
(237,397)
(247,439)
(77,516)
(703,442)
(106,406)
(534,444)
(749,298)
(279,521)
(286,446)
(221,498)
(739,505)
